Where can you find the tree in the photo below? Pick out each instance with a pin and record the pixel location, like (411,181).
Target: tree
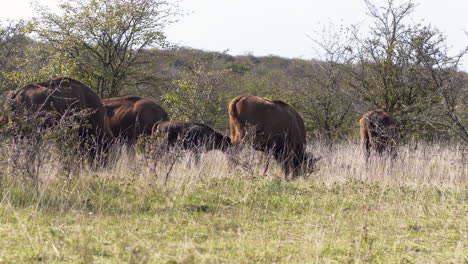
(12,44)
(451,115)
(401,66)
(320,87)
(200,94)
(103,38)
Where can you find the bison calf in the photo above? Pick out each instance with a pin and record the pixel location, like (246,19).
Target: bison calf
(191,136)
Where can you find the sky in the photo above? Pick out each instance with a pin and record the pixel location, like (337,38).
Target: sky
(279,27)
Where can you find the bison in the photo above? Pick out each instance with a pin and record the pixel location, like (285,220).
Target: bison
(191,136)
(277,129)
(64,96)
(133,116)
(377,131)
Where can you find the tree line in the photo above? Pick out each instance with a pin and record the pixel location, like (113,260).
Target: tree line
(118,47)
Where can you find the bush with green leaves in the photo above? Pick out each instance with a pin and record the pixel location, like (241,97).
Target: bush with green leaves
(199,96)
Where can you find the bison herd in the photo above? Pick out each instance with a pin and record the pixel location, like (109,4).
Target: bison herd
(270,126)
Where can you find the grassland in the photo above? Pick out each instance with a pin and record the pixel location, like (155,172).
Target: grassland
(410,210)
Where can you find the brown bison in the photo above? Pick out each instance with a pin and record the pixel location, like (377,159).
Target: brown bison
(191,136)
(132,116)
(56,98)
(377,131)
(277,129)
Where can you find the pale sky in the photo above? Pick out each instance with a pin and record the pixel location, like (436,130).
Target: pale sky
(279,27)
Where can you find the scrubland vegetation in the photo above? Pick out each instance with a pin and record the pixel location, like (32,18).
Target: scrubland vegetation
(407,66)
(151,207)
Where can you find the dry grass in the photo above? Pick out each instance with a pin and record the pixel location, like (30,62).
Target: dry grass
(416,164)
(151,209)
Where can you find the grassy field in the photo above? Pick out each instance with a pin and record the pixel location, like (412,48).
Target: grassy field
(410,210)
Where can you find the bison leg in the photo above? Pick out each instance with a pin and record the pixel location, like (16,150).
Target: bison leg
(196,157)
(267,163)
(294,163)
(296,166)
(365,144)
(288,171)
(282,158)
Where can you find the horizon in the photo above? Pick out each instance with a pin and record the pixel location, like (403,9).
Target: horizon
(269,28)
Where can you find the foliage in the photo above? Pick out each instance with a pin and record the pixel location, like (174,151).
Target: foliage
(239,68)
(199,96)
(37,62)
(451,89)
(12,43)
(103,38)
(323,87)
(157,206)
(402,66)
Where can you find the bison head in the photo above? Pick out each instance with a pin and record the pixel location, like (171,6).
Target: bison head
(222,142)
(309,164)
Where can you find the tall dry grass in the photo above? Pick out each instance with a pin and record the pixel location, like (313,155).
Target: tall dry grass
(416,164)
(154,207)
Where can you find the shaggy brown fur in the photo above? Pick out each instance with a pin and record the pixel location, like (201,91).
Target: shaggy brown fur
(66,96)
(132,116)
(277,128)
(377,131)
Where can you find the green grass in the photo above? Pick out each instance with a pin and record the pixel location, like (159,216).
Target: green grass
(245,221)
(228,216)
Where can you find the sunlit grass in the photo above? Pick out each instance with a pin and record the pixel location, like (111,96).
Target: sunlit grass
(410,210)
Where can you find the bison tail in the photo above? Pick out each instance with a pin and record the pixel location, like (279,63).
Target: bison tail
(364,134)
(234,124)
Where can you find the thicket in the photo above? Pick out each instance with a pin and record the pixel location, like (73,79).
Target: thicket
(406,66)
